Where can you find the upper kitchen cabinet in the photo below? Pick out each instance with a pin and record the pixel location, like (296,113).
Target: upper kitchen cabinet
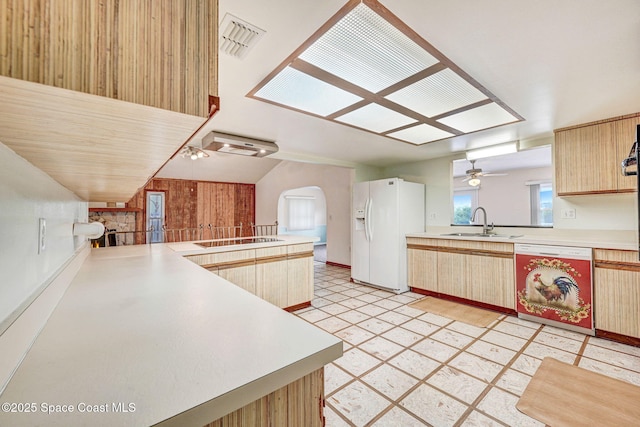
(158,53)
(588,156)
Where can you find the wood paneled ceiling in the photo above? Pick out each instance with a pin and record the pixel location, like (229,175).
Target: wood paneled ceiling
(102,149)
(100,94)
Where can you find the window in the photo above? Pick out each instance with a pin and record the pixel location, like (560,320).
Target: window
(302,212)
(464,202)
(541,204)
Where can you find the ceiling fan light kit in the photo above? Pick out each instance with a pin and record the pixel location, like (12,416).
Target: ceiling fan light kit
(194,153)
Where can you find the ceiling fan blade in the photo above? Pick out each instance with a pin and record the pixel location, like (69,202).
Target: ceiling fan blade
(495,174)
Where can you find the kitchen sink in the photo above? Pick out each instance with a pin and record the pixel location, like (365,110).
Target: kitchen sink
(483,235)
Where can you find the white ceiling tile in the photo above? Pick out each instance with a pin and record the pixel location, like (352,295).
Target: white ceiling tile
(375,118)
(483,117)
(421,134)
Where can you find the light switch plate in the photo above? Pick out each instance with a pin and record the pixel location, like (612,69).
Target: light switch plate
(42,232)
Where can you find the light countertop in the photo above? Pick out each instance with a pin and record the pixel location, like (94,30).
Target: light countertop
(192,248)
(600,239)
(144,329)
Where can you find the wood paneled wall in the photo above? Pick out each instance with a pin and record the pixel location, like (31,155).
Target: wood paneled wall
(191,203)
(160,53)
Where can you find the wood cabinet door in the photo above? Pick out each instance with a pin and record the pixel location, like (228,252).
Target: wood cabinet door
(422,268)
(625,135)
(586,160)
(452,274)
(617,301)
(243,276)
(491,280)
(299,280)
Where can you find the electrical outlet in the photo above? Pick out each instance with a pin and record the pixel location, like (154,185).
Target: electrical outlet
(42,232)
(568,214)
(432,215)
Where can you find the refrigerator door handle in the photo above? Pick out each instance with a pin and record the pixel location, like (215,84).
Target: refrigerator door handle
(368,222)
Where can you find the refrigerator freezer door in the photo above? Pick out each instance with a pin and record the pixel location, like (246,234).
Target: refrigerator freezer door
(359,242)
(384,231)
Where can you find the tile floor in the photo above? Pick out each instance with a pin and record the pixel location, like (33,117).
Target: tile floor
(404,367)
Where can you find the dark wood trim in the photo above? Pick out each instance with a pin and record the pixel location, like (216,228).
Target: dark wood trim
(234,264)
(464,301)
(463,251)
(617,265)
(624,339)
(585,193)
(335,264)
(298,306)
(298,255)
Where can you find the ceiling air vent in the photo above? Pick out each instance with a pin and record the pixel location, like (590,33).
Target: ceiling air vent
(236,144)
(237,37)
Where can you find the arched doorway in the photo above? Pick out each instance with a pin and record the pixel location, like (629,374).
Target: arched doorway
(303,212)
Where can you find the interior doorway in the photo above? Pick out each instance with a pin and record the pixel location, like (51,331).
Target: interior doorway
(303,212)
(155,216)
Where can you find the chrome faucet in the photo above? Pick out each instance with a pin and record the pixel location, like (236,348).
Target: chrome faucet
(486,229)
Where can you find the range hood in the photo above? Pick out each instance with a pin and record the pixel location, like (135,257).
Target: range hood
(236,144)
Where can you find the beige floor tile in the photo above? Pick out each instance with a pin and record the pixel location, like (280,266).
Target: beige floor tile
(382,294)
(435,350)
(402,336)
(314,315)
(513,381)
(332,324)
(613,357)
(387,303)
(564,333)
(396,417)
(493,352)
(477,366)
(420,327)
(389,381)
(452,338)
(320,302)
(353,316)
(408,311)
(616,346)
(332,419)
(516,330)
(502,405)
(375,325)
(371,310)
(458,384)
(476,419)
(433,406)
(381,348)
(334,378)
(541,351)
(526,364)
(504,340)
(336,297)
(558,341)
(368,298)
(335,308)
(610,370)
(359,403)
(320,292)
(414,363)
(357,362)
(466,329)
(353,303)
(402,298)
(354,335)
(394,318)
(352,293)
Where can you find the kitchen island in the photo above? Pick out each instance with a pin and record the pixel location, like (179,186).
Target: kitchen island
(143,336)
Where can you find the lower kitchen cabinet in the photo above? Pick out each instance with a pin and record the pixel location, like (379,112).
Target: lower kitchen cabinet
(281,275)
(422,264)
(472,270)
(616,282)
(271,275)
(299,274)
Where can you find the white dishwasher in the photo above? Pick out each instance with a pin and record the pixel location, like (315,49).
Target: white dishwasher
(554,286)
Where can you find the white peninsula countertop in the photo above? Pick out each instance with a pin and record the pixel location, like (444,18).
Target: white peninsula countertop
(144,331)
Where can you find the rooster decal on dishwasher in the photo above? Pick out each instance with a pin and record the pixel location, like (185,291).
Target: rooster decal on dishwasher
(558,289)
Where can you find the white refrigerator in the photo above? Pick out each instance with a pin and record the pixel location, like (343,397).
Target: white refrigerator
(384,211)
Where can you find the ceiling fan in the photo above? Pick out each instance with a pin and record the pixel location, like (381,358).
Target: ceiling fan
(474,174)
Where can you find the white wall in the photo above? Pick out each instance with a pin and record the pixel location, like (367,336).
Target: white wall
(27,194)
(336,184)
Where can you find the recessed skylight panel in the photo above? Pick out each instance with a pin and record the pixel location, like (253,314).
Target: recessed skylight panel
(375,118)
(298,90)
(365,49)
(441,92)
(483,117)
(421,134)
